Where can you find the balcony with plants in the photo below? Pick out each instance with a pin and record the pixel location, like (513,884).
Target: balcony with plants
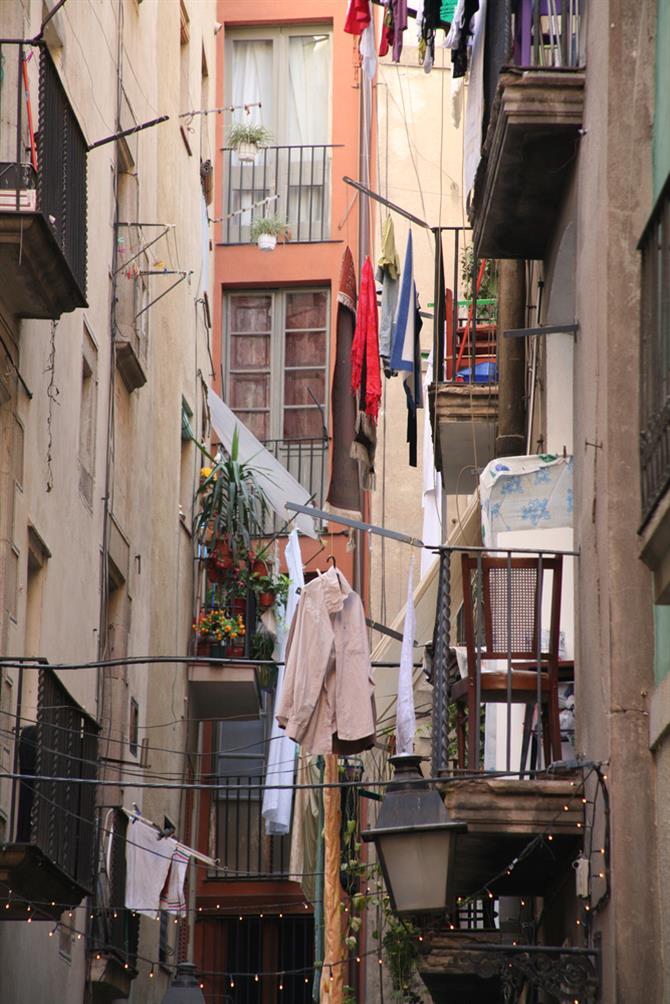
(533,81)
(43,235)
(464,397)
(239,588)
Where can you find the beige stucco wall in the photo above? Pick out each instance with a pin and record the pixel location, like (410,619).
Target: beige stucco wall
(614,673)
(139,452)
(419,160)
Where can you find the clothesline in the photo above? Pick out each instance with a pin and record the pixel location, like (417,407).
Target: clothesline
(134,815)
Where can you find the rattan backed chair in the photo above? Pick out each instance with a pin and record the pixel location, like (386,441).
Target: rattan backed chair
(502,619)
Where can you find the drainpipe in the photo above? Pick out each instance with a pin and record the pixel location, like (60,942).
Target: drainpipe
(511,438)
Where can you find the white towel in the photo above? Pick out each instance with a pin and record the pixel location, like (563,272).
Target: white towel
(278,802)
(172,897)
(405,715)
(148,861)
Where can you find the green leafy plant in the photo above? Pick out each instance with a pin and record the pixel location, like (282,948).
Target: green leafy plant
(401,948)
(231,503)
(272,225)
(217,626)
(488,285)
(247,132)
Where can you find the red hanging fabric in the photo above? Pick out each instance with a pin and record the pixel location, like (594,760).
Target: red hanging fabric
(365,367)
(358,17)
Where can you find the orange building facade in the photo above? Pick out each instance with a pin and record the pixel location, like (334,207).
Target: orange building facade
(289,67)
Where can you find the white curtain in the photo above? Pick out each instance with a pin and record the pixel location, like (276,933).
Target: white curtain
(308,89)
(252,81)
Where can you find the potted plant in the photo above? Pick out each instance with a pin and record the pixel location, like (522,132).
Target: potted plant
(262,647)
(265,587)
(222,632)
(246,139)
(265,230)
(232,508)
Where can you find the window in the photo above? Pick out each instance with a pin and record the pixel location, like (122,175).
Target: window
(134,727)
(287,72)
(242,846)
(655,355)
(277,352)
(87,417)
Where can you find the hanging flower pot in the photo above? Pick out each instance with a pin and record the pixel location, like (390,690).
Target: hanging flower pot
(267,242)
(265,600)
(247,153)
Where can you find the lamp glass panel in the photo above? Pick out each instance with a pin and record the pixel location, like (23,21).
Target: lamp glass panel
(416,866)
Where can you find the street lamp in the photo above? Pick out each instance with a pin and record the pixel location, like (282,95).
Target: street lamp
(184,988)
(415,841)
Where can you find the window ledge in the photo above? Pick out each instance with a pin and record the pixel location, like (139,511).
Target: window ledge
(659,713)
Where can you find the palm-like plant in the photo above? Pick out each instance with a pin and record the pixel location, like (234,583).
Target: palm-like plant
(232,503)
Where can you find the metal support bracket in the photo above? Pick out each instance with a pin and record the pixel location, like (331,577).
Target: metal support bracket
(543,329)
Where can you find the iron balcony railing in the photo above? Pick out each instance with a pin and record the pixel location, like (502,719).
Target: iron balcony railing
(466,346)
(299,179)
(51,177)
(115,931)
(307,460)
(499,645)
(244,850)
(55,815)
(548,33)
(655,356)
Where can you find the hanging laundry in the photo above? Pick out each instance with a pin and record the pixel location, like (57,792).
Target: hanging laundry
(386,39)
(368,51)
(447,8)
(344,493)
(459,39)
(399,27)
(282,752)
(327,701)
(172,897)
(405,714)
(305,829)
(358,17)
(365,350)
(406,348)
(366,378)
(388,272)
(148,862)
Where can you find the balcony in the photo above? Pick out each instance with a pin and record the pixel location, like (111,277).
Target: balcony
(306,458)
(114,937)
(463,400)
(245,851)
(49,856)
(299,177)
(533,130)
(42,199)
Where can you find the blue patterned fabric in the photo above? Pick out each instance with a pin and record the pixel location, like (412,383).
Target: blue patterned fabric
(524,493)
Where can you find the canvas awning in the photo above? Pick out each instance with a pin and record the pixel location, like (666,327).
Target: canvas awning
(279,486)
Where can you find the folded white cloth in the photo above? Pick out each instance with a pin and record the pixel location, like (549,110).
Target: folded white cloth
(148,862)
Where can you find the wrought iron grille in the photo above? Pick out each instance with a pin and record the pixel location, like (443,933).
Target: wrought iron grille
(655,355)
(244,849)
(62,812)
(307,460)
(299,177)
(61,174)
(115,930)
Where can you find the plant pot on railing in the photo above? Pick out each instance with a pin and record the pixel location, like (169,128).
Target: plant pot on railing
(265,230)
(246,139)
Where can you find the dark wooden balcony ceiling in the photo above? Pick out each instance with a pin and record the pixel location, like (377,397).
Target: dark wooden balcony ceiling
(528,154)
(37,281)
(503,818)
(34,879)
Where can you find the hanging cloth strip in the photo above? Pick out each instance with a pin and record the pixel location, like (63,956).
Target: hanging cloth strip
(406,350)
(365,375)
(344,493)
(332,976)
(388,271)
(358,17)
(278,802)
(405,714)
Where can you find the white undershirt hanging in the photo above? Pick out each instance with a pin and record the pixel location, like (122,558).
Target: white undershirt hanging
(405,716)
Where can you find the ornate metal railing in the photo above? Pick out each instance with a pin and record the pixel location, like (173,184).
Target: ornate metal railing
(51,177)
(299,177)
(655,356)
(56,811)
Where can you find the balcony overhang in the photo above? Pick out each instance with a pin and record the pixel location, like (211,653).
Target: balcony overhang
(37,281)
(528,155)
(463,415)
(487,966)
(504,817)
(33,878)
(110,980)
(223,691)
